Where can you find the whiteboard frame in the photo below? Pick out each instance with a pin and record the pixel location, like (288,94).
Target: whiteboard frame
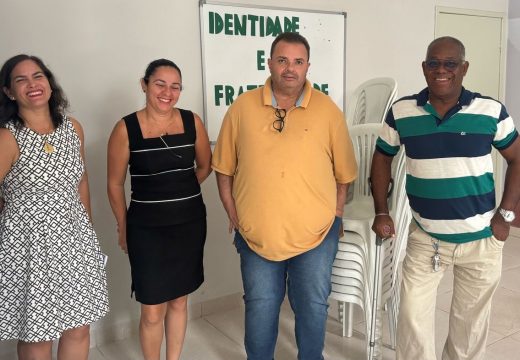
(223,3)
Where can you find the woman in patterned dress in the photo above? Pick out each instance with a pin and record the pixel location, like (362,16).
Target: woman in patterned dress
(164,229)
(52,276)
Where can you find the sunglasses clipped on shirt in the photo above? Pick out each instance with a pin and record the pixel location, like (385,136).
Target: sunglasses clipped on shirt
(435,64)
(279,123)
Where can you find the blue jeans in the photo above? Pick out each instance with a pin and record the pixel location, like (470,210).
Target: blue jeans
(308,282)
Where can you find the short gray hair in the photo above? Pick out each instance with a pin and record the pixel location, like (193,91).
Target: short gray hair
(462,49)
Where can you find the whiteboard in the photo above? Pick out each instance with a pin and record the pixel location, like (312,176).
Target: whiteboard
(236,42)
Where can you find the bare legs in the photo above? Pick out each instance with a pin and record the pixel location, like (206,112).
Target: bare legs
(170,318)
(175,326)
(74,344)
(34,351)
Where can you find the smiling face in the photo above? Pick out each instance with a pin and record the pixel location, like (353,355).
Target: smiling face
(288,65)
(444,69)
(163,88)
(29,86)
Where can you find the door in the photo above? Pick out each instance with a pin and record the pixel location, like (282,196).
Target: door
(483,35)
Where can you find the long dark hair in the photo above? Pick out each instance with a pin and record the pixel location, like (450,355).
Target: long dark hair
(58,103)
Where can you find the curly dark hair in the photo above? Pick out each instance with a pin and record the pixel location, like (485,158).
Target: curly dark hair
(9,112)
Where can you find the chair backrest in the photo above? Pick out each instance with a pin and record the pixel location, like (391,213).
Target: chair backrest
(364,139)
(371,100)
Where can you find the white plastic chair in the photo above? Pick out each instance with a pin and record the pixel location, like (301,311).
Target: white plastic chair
(388,293)
(356,287)
(402,216)
(359,212)
(371,100)
(357,219)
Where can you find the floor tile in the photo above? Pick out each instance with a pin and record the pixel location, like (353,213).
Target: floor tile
(95,354)
(230,323)
(512,245)
(507,348)
(510,260)
(505,312)
(510,278)
(205,342)
(127,349)
(516,336)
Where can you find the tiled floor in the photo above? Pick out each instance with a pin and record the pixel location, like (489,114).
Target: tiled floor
(219,336)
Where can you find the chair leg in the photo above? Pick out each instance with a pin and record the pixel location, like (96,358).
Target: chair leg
(349,314)
(392,323)
(345,315)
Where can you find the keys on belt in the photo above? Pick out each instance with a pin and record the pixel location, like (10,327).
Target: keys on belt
(436,258)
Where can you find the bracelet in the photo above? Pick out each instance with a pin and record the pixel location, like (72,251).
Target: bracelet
(382,214)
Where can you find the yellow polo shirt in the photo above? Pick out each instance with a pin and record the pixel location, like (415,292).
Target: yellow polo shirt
(284,182)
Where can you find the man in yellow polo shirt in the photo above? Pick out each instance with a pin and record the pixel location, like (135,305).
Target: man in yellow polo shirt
(283,161)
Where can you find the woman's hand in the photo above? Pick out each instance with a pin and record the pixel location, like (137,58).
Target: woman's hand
(121,231)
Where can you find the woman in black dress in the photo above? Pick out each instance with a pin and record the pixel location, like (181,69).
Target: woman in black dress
(164,229)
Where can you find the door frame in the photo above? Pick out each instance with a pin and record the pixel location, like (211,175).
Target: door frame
(498,162)
(503,39)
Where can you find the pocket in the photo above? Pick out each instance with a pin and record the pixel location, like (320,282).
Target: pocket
(412,227)
(494,242)
(239,241)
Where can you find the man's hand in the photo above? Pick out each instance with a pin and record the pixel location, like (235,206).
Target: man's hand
(383,226)
(500,227)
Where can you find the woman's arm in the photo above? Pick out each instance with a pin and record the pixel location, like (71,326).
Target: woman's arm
(83,187)
(202,151)
(9,153)
(117,164)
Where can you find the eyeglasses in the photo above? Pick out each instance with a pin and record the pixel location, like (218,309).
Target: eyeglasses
(435,64)
(279,123)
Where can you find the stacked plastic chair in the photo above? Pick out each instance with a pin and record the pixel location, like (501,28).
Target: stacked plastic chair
(386,291)
(389,287)
(355,266)
(371,100)
(357,221)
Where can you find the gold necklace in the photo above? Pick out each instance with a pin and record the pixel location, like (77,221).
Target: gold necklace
(47,147)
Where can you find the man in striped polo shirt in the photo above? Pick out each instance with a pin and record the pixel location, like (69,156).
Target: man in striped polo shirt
(448,133)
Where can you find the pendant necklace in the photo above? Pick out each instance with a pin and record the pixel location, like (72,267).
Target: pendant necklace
(47,147)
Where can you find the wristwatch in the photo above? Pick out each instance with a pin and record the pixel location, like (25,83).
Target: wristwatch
(508,215)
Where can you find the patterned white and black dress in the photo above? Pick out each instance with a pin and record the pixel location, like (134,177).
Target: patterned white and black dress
(52,273)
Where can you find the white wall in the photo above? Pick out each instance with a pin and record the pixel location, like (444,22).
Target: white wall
(99,49)
(513,59)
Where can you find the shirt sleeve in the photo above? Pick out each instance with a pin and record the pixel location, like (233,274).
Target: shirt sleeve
(225,159)
(388,141)
(506,131)
(344,159)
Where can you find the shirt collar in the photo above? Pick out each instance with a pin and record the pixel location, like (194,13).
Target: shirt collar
(464,99)
(303,100)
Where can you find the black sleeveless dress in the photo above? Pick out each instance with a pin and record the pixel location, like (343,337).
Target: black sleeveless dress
(166,219)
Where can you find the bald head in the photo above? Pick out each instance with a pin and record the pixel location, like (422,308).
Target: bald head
(447,40)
